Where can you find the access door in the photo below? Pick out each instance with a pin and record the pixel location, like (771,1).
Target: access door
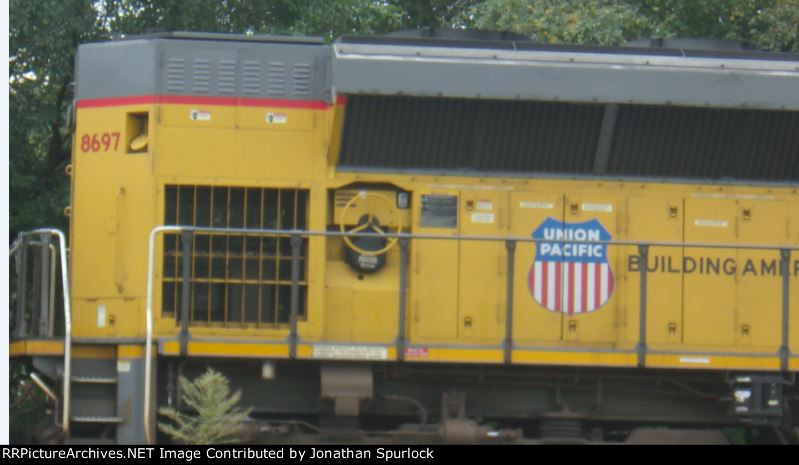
(588,280)
(709,292)
(535,319)
(483,265)
(434,266)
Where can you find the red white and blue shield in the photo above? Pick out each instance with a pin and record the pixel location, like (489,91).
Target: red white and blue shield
(571,277)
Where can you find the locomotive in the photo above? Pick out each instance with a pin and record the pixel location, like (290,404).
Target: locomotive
(428,236)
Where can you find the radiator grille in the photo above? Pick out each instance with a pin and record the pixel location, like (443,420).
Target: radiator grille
(236,280)
(495,136)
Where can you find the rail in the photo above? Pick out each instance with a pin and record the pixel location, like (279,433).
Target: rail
(404,239)
(51,300)
(19,245)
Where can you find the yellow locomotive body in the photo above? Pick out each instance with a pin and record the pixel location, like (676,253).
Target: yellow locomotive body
(480,267)
(732,320)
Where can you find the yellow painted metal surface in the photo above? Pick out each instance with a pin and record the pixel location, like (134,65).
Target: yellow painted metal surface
(227,349)
(360,310)
(709,298)
(434,296)
(759,295)
(130,351)
(534,357)
(31,347)
(699,300)
(719,362)
(658,219)
(459,354)
(481,315)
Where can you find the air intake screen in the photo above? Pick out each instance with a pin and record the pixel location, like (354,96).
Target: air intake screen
(461,134)
(495,136)
(236,280)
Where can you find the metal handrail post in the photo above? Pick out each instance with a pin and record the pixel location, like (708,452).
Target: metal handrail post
(403,291)
(785,349)
(510,248)
(296,244)
(62,241)
(148,346)
(643,251)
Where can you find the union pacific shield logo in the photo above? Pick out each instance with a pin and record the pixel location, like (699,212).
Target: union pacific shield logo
(571,277)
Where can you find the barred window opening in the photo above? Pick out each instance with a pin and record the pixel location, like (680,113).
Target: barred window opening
(237,280)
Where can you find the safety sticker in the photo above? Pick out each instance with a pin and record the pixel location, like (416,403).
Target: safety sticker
(711,223)
(539,205)
(123,366)
(199,115)
(482,217)
(695,360)
(276,118)
(101,316)
(484,205)
(416,352)
(348,352)
(597,207)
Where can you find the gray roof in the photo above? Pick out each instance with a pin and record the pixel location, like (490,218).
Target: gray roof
(305,68)
(579,75)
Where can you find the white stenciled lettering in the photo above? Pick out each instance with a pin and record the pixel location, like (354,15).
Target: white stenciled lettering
(577,234)
(572,250)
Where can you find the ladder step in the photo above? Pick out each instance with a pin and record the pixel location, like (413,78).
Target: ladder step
(104,420)
(94,379)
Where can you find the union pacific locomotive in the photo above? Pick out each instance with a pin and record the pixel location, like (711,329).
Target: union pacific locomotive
(424,237)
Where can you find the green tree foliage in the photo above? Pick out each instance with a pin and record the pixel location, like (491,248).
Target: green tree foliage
(44,35)
(769,24)
(570,21)
(27,409)
(777,26)
(42,44)
(216,419)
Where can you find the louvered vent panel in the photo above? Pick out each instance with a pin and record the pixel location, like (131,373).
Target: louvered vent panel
(175,74)
(251,77)
(302,79)
(276,79)
(201,75)
(226,77)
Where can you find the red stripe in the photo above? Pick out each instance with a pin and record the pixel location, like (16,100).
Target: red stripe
(194,100)
(584,303)
(283,103)
(597,285)
(544,284)
(341,99)
(570,287)
(610,281)
(558,291)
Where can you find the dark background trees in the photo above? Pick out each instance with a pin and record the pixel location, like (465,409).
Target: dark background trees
(44,35)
